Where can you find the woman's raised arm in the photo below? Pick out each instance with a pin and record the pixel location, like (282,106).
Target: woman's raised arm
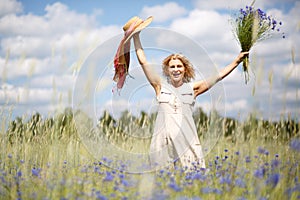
(204,85)
(153,78)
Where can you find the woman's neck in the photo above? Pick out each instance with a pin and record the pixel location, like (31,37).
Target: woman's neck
(177,84)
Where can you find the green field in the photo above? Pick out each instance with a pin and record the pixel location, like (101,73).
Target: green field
(44,158)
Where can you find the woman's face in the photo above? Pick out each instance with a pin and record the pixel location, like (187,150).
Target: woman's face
(176,71)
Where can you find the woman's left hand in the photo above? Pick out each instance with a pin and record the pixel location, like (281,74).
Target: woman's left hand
(242,55)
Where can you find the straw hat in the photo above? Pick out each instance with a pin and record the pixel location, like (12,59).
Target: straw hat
(138,26)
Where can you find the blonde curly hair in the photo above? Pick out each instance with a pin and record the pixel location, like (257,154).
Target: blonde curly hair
(189,69)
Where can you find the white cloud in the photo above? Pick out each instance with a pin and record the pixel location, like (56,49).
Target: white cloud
(163,12)
(26,25)
(116,107)
(26,100)
(209,28)
(37,53)
(66,20)
(26,46)
(239,105)
(25,95)
(200,23)
(13,69)
(9,7)
(291,72)
(234,5)
(28,52)
(219,4)
(58,19)
(62,82)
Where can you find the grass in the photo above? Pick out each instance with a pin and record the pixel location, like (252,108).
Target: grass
(45,159)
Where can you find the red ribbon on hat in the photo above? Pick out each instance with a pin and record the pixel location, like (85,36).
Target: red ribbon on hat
(122,58)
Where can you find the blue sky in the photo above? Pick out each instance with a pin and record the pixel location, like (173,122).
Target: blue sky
(46,45)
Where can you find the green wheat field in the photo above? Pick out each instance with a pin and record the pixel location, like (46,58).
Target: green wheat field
(43,158)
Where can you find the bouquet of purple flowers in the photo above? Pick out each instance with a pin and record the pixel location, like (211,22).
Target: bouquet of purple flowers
(250,26)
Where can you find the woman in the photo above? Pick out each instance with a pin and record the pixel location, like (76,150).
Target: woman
(175,136)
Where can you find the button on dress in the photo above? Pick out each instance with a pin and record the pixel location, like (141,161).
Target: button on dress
(175,136)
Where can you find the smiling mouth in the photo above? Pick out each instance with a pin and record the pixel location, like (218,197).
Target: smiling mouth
(176,74)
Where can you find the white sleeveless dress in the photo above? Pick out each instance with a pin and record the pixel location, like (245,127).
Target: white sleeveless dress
(175,136)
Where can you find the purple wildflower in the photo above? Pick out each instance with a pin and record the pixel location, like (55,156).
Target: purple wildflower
(198,176)
(240,183)
(100,196)
(291,190)
(267,153)
(96,169)
(108,177)
(248,159)
(261,150)
(35,172)
(225,180)
(275,163)
(295,144)
(174,186)
(19,173)
(207,190)
(217,191)
(260,172)
(273,179)
(121,176)
(125,183)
